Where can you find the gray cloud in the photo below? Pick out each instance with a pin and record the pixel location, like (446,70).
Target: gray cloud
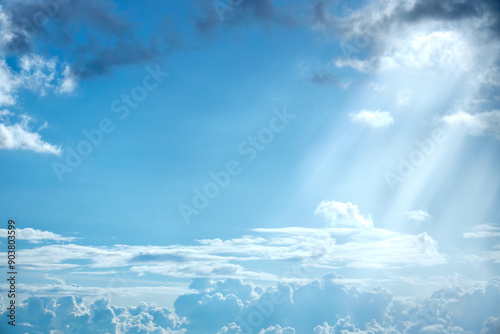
(325,78)
(90,34)
(327,16)
(441,10)
(242,12)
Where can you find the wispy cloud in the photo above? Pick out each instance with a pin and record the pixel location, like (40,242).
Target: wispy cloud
(418,216)
(480,124)
(352,241)
(326,305)
(20,136)
(36,236)
(483,231)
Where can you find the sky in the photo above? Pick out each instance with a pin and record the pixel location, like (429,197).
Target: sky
(251,166)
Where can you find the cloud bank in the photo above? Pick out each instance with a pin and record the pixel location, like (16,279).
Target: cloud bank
(234,306)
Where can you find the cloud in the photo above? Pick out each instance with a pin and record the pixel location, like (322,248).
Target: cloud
(325,78)
(70,315)
(115,285)
(419,34)
(36,74)
(482,231)
(491,326)
(418,216)
(235,13)
(110,40)
(351,241)
(372,119)
(479,124)
(440,10)
(343,214)
(277,330)
(35,236)
(323,306)
(8,85)
(42,75)
(20,136)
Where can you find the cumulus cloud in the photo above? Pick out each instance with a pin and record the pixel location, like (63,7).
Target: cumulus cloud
(277,330)
(70,315)
(372,118)
(415,34)
(343,214)
(35,236)
(322,306)
(418,216)
(20,136)
(480,124)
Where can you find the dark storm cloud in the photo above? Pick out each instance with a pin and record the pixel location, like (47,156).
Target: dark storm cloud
(454,11)
(236,12)
(89,33)
(442,10)
(325,15)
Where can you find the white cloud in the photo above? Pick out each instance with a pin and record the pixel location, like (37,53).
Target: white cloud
(117,286)
(493,255)
(35,236)
(361,247)
(343,214)
(67,83)
(418,216)
(440,49)
(483,231)
(20,136)
(435,42)
(8,85)
(479,124)
(36,74)
(71,315)
(277,330)
(372,118)
(4,114)
(323,306)
(44,75)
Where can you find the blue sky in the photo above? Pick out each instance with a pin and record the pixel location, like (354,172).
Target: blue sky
(200,155)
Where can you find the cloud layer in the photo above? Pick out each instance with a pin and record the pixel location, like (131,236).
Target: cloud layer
(233,306)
